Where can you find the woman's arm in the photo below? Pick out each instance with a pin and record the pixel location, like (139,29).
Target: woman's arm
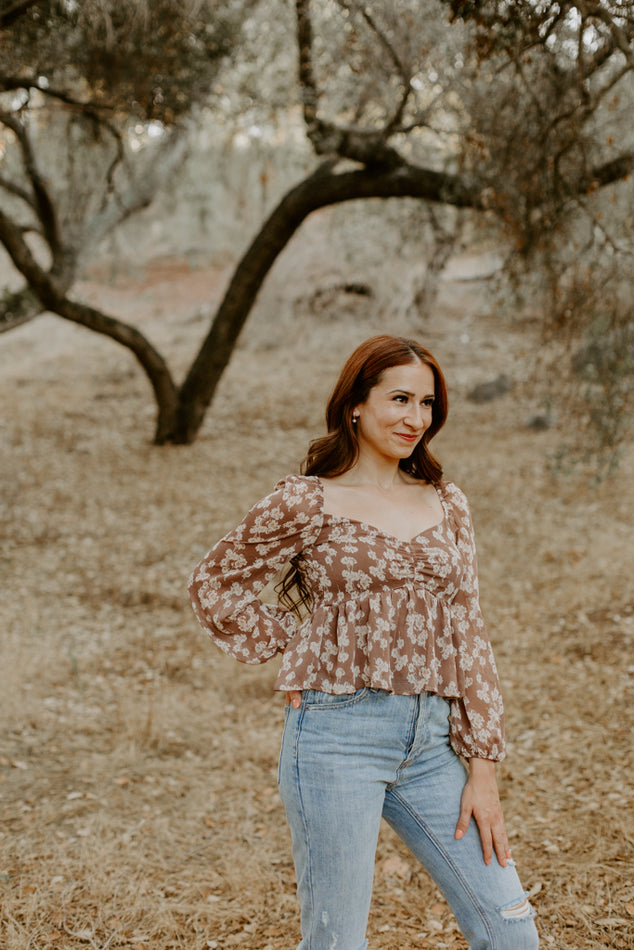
(477,717)
(224,587)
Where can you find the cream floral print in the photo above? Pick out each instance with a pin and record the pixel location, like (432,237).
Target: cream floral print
(402,616)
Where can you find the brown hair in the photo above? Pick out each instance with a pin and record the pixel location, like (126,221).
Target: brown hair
(336,452)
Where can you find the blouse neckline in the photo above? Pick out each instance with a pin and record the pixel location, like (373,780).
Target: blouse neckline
(375,528)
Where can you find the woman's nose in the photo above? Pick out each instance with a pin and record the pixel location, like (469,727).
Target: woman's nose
(414,417)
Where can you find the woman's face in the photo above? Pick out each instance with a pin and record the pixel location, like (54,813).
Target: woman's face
(397,411)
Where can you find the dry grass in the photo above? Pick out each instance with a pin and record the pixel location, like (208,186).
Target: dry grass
(137,766)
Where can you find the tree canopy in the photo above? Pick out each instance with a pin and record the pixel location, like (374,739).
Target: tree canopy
(94,98)
(124,57)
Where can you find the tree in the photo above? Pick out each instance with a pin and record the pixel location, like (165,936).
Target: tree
(398,103)
(554,137)
(79,76)
(405,131)
(102,91)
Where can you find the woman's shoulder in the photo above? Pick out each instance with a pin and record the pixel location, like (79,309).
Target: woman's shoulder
(292,506)
(298,491)
(298,484)
(455,497)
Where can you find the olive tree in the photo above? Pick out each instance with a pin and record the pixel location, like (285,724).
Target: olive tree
(514,111)
(512,116)
(96,101)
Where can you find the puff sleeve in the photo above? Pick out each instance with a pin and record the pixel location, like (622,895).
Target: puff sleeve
(477,717)
(224,587)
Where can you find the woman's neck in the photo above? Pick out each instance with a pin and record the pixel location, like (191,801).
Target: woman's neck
(384,474)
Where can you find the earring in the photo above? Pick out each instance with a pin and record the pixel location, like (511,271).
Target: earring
(355,418)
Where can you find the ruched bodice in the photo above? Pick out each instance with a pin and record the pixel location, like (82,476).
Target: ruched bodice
(386,613)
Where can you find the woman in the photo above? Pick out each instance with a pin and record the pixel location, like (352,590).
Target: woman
(390,678)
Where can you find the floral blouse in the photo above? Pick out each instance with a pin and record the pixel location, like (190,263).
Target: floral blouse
(401,616)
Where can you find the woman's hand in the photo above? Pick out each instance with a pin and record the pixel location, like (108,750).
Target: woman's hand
(480,798)
(293,698)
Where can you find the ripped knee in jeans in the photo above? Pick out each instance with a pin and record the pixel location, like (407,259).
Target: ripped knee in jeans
(518,909)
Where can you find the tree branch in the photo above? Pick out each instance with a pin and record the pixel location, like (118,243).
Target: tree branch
(19,192)
(155,367)
(621,39)
(405,74)
(11,83)
(366,146)
(18,250)
(324,187)
(42,203)
(138,195)
(307,85)
(608,174)
(51,291)
(15,11)
(18,308)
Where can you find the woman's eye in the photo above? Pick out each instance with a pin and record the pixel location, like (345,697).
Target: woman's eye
(428,402)
(400,399)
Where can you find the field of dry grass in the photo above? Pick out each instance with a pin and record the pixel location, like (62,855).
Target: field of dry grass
(138,802)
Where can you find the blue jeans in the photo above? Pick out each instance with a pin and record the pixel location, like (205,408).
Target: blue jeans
(347,761)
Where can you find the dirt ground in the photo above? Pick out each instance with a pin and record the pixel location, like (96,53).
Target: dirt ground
(138,798)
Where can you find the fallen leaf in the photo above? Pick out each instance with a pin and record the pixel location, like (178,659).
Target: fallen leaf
(397,867)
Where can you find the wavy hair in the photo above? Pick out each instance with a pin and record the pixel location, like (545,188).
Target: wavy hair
(335,453)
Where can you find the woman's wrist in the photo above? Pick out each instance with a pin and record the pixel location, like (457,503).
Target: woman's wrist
(481,767)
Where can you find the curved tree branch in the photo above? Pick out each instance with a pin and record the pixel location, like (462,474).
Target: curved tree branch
(42,202)
(155,367)
(18,308)
(322,188)
(140,192)
(51,291)
(19,192)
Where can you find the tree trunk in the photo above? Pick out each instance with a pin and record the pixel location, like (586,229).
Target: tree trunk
(51,291)
(445,238)
(18,308)
(155,367)
(323,188)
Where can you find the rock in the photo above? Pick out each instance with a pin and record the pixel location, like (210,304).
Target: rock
(493,389)
(540,422)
